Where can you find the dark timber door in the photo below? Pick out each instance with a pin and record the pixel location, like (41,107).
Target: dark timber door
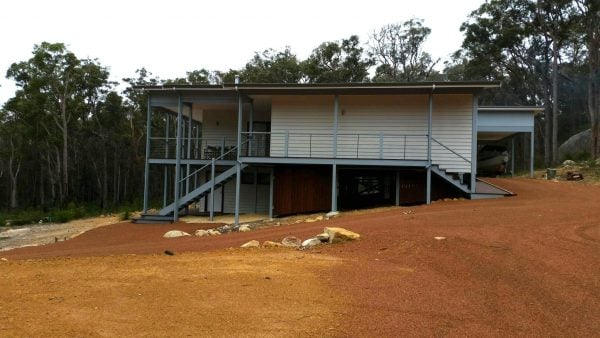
(302,190)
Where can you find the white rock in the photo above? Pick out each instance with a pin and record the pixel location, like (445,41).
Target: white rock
(271,244)
(175,233)
(201,233)
(213,232)
(309,243)
(245,228)
(332,214)
(439,238)
(252,244)
(3,259)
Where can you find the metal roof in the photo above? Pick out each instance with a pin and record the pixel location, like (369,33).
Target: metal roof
(331,88)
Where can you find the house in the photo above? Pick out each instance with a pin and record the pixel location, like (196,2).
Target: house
(294,148)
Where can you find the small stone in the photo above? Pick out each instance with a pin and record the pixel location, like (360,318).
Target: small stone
(332,214)
(319,218)
(311,242)
(270,244)
(245,228)
(201,233)
(291,241)
(175,233)
(213,232)
(169,253)
(310,220)
(324,237)
(3,259)
(252,244)
(569,163)
(340,235)
(439,238)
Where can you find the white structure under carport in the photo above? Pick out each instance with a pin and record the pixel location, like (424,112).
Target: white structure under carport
(501,123)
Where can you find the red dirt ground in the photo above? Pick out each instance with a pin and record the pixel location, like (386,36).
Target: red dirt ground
(525,265)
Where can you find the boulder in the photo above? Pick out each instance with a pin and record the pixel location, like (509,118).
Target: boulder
(324,237)
(291,241)
(252,244)
(575,145)
(175,233)
(201,233)
(341,235)
(311,242)
(270,244)
(569,163)
(213,232)
(245,228)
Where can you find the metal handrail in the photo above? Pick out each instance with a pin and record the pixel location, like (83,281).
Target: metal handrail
(213,159)
(325,134)
(452,151)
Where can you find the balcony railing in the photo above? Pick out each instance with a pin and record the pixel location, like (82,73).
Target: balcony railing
(319,145)
(199,148)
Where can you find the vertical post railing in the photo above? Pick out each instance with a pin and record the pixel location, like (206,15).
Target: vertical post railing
(309,145)
(189,151)
(357,145)
(404,150)
(222,147)
(166,169)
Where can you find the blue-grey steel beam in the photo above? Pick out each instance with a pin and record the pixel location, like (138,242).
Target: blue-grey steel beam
(178,158)
(397,188)
(271,190)
(474,144)
(189,150)
(531,152)
(429,136)
(147,164)
(336,111)
(251,128)
(212,189)
(512,156)
(238,178)
(166,168)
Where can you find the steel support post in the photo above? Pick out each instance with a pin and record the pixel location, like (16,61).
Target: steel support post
(397,188)
(166,169)
(212,189)
(238,178)
(178,158)
(429,140)
(189,151)
(271,191)
(531,153)
(512,156)
(474,144)
(147,164)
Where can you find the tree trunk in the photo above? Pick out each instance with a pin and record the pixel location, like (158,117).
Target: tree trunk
(104,178)
(547,130)
(594,84)
(65,153)
(13,172)
(554,100)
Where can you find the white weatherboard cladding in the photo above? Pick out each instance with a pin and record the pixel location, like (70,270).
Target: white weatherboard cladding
(309,121)
(379,120)
(218,125)
(452,126)
(397,123)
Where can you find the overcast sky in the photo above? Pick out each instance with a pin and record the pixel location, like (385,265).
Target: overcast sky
(171,37)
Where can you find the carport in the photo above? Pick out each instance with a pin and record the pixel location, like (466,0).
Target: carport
(502,123)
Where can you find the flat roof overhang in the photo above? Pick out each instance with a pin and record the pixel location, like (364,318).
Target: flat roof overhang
(495,123)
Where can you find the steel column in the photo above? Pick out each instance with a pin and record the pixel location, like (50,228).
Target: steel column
(166,169)
(189,150)
(238,178)
(512,156)
(147,164)
(429,137)
(397,188)
(336,109)
(474,143)
(531,153)
(250,128)
(334,206)
(212,189)
(178,158)
(428,196)
(271,190)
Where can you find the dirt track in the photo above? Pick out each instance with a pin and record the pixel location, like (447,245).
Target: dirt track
(526,265)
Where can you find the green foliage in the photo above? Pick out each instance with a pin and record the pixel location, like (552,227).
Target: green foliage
(272,66)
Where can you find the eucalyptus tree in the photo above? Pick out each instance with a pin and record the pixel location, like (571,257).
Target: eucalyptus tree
(398,52)
(338,61)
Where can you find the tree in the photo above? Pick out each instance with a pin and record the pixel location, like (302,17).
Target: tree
(66,82)
(197,77)
(272,66)
(521,42)
(398,52)
(337,62)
